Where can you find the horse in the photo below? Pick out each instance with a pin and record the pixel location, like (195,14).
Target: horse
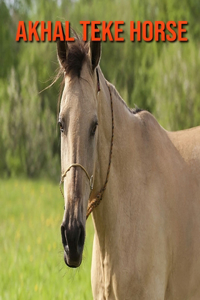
(140,181)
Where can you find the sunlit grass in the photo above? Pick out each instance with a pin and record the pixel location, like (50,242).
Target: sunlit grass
(31,254)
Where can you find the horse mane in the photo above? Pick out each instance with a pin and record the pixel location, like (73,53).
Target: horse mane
(77,54)
(131,110)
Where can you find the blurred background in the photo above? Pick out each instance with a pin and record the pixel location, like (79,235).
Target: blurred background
(163,78)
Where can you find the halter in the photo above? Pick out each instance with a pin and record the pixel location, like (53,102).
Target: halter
(96,201)
(78,165)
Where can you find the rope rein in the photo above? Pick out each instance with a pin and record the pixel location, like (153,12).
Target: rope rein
(96,201)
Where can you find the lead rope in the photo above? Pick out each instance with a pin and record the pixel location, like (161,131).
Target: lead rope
(96,201)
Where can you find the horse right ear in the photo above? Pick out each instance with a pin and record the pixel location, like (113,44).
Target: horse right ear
(62,52)
(95,51)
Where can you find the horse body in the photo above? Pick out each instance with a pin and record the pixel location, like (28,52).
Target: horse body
(146,242)
(147,226)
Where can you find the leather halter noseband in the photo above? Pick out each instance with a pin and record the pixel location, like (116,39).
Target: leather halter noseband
(96,201)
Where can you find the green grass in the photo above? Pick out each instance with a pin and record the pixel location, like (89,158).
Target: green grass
(31,253)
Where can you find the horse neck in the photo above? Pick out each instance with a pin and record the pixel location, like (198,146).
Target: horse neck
(124,124)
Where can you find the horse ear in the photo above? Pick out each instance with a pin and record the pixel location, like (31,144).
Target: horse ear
(62,52)
(95,52)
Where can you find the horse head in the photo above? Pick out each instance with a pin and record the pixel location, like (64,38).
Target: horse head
(78,121)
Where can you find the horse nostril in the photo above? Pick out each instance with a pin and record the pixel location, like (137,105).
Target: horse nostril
(73,239)
(64,240)
(81,238)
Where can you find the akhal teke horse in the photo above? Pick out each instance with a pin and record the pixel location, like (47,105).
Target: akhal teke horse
(141,182)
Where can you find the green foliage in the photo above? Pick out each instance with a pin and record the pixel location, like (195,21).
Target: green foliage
(27,128)
(160,77)
(8,48)
(175,87)
(32,265)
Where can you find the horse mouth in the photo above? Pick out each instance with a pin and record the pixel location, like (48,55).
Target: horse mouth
(72,261)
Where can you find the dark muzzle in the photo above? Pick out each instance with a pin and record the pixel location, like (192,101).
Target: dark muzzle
(73,237)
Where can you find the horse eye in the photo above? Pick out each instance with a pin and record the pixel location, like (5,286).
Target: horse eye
(61,126)
(94,129)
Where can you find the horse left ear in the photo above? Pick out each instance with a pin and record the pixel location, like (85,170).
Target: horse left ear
(95,53)
(62,52)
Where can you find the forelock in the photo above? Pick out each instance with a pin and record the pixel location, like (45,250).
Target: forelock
(77,55)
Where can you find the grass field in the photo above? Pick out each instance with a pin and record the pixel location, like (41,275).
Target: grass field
(31,254)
